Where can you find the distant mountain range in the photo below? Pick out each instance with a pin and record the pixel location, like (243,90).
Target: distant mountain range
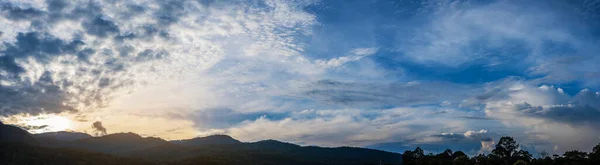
(20,147)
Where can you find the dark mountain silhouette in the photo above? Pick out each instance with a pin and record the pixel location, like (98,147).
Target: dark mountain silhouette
(117,143)
(59,139)
(63,135)
(273,144)
(266,152)
(9,133)
(130,148)
(22,154)
(209,140)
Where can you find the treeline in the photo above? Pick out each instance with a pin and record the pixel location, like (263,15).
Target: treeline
(507,152)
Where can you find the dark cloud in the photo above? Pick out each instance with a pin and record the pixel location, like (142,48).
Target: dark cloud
(56,5)
(33,127)
(470,142)
(587,98)
(44,95)
(451,136)
(98,128)
(148,54)
(476,117)
(386,94)
(170,11)
(101,26)
(11,11)
(41,45)
(40,97)
(28,84)
(90,10)
(218,118)
(570,114)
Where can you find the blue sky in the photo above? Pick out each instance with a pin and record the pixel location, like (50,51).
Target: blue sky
(390,75)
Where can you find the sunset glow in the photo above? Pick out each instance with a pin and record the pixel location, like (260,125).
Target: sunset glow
(43,123)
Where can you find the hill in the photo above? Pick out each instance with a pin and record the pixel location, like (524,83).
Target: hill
(9,133)
(63,135)
(266,152)
(117,144)
(20,147)
(208,140)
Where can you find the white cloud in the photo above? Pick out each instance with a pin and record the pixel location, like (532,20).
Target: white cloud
(347,127)
(355,55)
(546,114)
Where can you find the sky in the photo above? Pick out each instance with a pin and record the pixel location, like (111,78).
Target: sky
(382,74)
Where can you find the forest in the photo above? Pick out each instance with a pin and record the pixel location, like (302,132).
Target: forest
(506,152)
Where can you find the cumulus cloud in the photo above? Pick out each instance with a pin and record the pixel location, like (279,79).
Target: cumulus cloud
(470,142)
(543,112)
(98,128)
(546,102)
(73,56)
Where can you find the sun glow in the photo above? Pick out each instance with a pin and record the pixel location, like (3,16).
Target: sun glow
(42,123)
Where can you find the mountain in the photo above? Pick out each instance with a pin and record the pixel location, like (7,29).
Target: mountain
(63,135)
(59,139)
(12,134)
(266,152)
(130,148)
(117,143)
(20,154)
(208,140)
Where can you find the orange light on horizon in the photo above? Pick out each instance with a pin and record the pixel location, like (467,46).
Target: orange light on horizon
(41,123)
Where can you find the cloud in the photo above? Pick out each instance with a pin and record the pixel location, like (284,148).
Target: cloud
(355,55)
(543,113)
(347,127)
(79,56)
(470,142)
(100,27)
(386,94)
(507,35)
(545,102)
(98,128)
(15,12)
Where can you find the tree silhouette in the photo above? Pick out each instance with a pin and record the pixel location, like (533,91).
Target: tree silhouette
(507,151)
(595,155)
(520,162)
(506,147)
(461,160)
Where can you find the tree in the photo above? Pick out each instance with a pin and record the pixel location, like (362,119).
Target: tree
(595,155)
(520,162)
(505,148)
(418,153)
(412,157)
(523,155)
(575,155)
(544,154)
(458,154)
(446,154)
(461,160)
(481,159)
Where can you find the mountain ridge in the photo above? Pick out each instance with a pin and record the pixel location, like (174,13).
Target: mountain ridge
(214,149)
